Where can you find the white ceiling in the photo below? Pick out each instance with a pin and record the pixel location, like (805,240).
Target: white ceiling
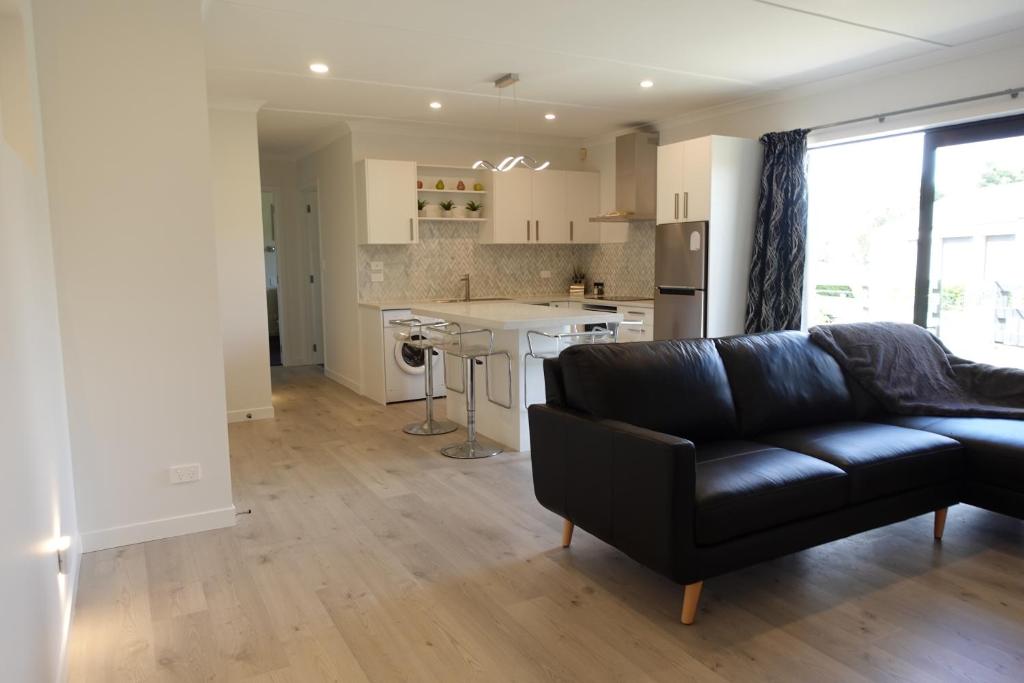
(581,59)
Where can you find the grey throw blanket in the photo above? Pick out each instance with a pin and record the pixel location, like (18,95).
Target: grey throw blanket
(910,372)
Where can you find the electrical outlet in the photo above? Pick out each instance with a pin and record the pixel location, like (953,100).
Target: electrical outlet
(376,277)
(376,265)
(545,274)
(181,474)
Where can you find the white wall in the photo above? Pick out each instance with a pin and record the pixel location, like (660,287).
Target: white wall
(127,152)
(238,223)
(330,170)
(35,477)
(294,303)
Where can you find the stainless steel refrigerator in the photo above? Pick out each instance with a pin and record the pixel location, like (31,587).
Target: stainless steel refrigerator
(680,280)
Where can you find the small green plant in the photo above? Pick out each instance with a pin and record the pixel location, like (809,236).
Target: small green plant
(473,206)
(422,203)
(447,205)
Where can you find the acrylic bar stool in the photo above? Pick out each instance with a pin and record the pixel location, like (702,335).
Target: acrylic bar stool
(473,347)
(412,332)
(563,340)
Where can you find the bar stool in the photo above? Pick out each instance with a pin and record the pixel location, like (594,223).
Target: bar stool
(472,347)
(598,335)
(410,331)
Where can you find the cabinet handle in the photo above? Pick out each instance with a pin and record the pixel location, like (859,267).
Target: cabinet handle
(527,231)
(686,205)
(410,230)
(635,313)
(677,206)
(570,231)
(536,231)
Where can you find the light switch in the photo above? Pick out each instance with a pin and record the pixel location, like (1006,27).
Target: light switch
(545,274)
(376,265)
(377,277)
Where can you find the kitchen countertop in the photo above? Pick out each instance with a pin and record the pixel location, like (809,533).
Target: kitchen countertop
(511,315)
(406,304)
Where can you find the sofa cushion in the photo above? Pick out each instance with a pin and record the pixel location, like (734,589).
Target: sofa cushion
(881,459)
(781,380)
(743,487)
(993,448)
(677,387)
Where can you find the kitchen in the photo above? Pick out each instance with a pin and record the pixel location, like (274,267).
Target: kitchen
(560,239)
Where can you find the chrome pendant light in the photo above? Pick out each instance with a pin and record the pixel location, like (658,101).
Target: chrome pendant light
(514,160)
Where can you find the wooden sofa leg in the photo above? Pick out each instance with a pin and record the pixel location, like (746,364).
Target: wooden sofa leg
(691,596)
(940,522)
(567,528)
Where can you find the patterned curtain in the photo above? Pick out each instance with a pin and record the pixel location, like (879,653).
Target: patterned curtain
(775,293)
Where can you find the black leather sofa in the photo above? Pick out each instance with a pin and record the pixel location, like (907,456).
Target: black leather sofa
(698,457)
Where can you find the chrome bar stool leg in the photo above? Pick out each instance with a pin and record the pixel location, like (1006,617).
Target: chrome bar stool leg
(430,426)
(470,448)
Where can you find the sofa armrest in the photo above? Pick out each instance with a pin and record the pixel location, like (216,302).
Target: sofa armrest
(630,486)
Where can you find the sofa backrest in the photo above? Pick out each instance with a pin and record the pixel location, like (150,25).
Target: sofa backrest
(676,387)
(782,380)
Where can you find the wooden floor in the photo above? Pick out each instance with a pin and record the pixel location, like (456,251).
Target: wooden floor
(368,556)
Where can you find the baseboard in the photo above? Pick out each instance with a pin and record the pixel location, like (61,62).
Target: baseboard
(342,380)
(249,414)
(141,532)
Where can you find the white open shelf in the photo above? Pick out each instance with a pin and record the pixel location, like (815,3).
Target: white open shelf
(452,191)
(453,220)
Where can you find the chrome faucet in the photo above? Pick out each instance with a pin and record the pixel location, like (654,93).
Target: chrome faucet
(465,278)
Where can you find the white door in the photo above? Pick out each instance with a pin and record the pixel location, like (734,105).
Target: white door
(315,298)
(390,202)
(512,210)
(670,184)
(550,224)
(583,200)
(697,180)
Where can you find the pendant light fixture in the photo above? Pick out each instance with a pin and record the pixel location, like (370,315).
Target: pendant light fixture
(517,159)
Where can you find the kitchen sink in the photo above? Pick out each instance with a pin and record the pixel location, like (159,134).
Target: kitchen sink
(473,299)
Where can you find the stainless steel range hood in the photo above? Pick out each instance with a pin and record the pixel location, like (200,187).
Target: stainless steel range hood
(636,176)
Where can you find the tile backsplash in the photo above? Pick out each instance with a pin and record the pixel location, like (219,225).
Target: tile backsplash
(447,251)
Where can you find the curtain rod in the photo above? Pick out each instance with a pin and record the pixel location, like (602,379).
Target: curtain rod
(1012,92)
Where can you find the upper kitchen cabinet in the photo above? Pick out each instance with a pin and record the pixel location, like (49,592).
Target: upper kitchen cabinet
(386,210)
(511,200)
(684,178)
(550,223)
(583,200)
(543,207)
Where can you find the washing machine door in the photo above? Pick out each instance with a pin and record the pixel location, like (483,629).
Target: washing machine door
(410,359)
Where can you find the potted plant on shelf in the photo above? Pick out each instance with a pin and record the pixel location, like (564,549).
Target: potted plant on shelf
(446,208)
(473,209)
(578,285)
(422,203)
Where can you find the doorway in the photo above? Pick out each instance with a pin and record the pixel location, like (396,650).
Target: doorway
(972,212)
(314,297)
(271,271)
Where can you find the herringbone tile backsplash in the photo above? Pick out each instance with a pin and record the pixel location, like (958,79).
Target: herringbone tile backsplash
(447,251)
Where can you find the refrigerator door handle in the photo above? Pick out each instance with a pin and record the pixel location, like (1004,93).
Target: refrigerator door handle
(679,291)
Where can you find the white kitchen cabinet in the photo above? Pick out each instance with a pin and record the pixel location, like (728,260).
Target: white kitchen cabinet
(386,211)
(511,206)
(684,181)
(636,314)
(670,183)
(583,200)
(550,224)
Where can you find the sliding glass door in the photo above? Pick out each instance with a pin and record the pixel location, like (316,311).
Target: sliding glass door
(925,228)
(973,210)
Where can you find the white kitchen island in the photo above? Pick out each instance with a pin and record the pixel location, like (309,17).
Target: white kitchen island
(510,322)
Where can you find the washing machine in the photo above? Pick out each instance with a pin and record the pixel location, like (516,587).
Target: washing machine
(404,365)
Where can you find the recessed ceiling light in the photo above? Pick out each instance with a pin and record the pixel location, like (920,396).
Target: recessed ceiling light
(435,105)
(550,117)
(318,68)
(647,83)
